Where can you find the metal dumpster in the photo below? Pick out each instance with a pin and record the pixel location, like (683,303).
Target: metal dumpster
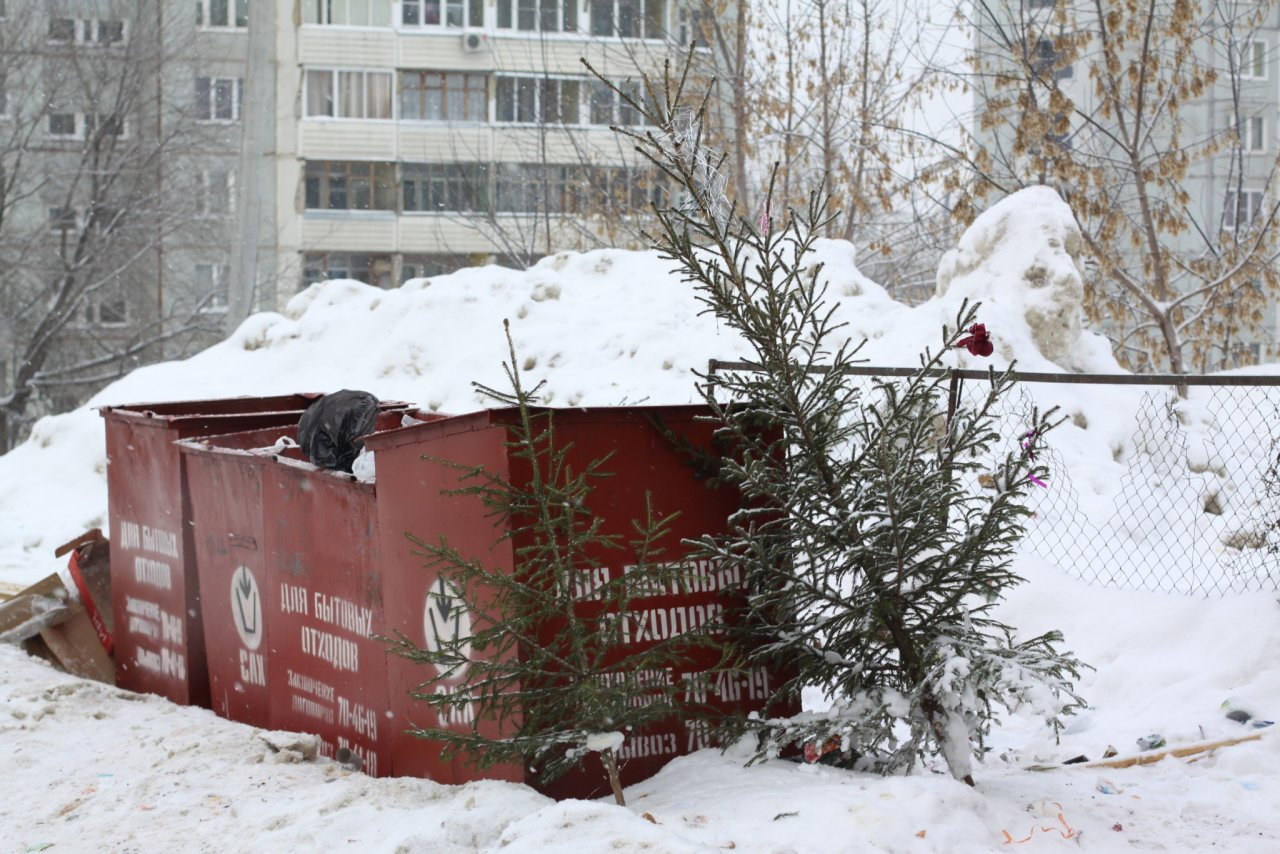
(288,557)
(646,458)
(159,643)
(224,479)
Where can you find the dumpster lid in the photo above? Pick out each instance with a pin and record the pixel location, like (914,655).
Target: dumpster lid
(183,410)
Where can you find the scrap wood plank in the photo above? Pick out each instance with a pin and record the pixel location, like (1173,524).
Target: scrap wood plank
(38,607)
(1181,752)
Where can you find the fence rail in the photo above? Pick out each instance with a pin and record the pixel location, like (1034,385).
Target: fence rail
(1162,482)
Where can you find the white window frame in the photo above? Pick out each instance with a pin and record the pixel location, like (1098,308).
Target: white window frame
(78,118)
(89,32)
(1256,198)
(1255,54)
(93,313)
(75,30)
(203,16)
(513,12)
(237,99)
(587,27)
(84,122)
(617,104)
(404,6)
(205,182)
(219,274)
(57,214)
(1252,133)
(443,74)
(335,77)
(323,10)
(584,87)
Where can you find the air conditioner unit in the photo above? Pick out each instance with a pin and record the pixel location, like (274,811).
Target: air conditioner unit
(475,42)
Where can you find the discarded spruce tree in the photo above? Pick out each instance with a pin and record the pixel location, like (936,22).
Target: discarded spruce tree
(872,560)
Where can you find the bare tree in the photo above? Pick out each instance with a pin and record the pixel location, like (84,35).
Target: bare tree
(84,204)
(1143,114)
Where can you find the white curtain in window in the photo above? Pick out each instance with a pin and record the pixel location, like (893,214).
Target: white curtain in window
(319,93)
(351,94)
(379,95)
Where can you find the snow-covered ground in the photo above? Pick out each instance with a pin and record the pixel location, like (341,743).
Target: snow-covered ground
(93,768)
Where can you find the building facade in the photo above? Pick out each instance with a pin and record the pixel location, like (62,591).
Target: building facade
(384,140)
(166,170)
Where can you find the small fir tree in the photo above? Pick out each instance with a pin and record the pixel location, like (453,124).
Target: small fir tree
(873,561)
(544,660)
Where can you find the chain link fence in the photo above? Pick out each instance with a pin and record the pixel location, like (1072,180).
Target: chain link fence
(1158,483)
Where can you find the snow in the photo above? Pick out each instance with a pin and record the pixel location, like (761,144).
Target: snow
(94,767)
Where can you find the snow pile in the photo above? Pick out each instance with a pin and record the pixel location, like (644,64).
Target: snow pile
(1027,247)
(90,763)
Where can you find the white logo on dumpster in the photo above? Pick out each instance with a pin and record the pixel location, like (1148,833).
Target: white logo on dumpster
(246,607)
(445,620)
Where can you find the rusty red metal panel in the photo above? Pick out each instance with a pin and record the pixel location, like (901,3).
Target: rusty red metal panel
(410,501)
(225,482)
(328,673)
(159,637)
(650,449)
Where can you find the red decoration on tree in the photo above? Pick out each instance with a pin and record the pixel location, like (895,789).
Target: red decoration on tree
(978,341)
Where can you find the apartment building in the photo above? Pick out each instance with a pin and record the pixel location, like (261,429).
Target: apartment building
(1226,192)
(386,140)
(169,166)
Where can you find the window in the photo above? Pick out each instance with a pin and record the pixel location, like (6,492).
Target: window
(63,220)
(347,13)
(629,19)
(211,288)
(62,30)
(1252,134)
(348,94)
(1046,60)
(104,33)
(62,124)
(443,96)
(107,312)
(106,124)
(222,13)
(538,99)
(1241,209)
(1253,61)
(1039,4)
(345,185)
(218,99)
(423,266)
(371,269)
(534,187)
(214,192)
(444,187)
(104,219)
(548,16)
(448,13)
(607,108)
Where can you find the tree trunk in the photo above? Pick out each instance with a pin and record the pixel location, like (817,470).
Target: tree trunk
(611,767)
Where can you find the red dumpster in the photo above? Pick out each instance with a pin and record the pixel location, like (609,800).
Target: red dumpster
(288,557)
(224,478)
(646,459)
(159,644)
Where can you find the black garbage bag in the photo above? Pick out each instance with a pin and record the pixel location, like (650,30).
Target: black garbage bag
(332,430)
